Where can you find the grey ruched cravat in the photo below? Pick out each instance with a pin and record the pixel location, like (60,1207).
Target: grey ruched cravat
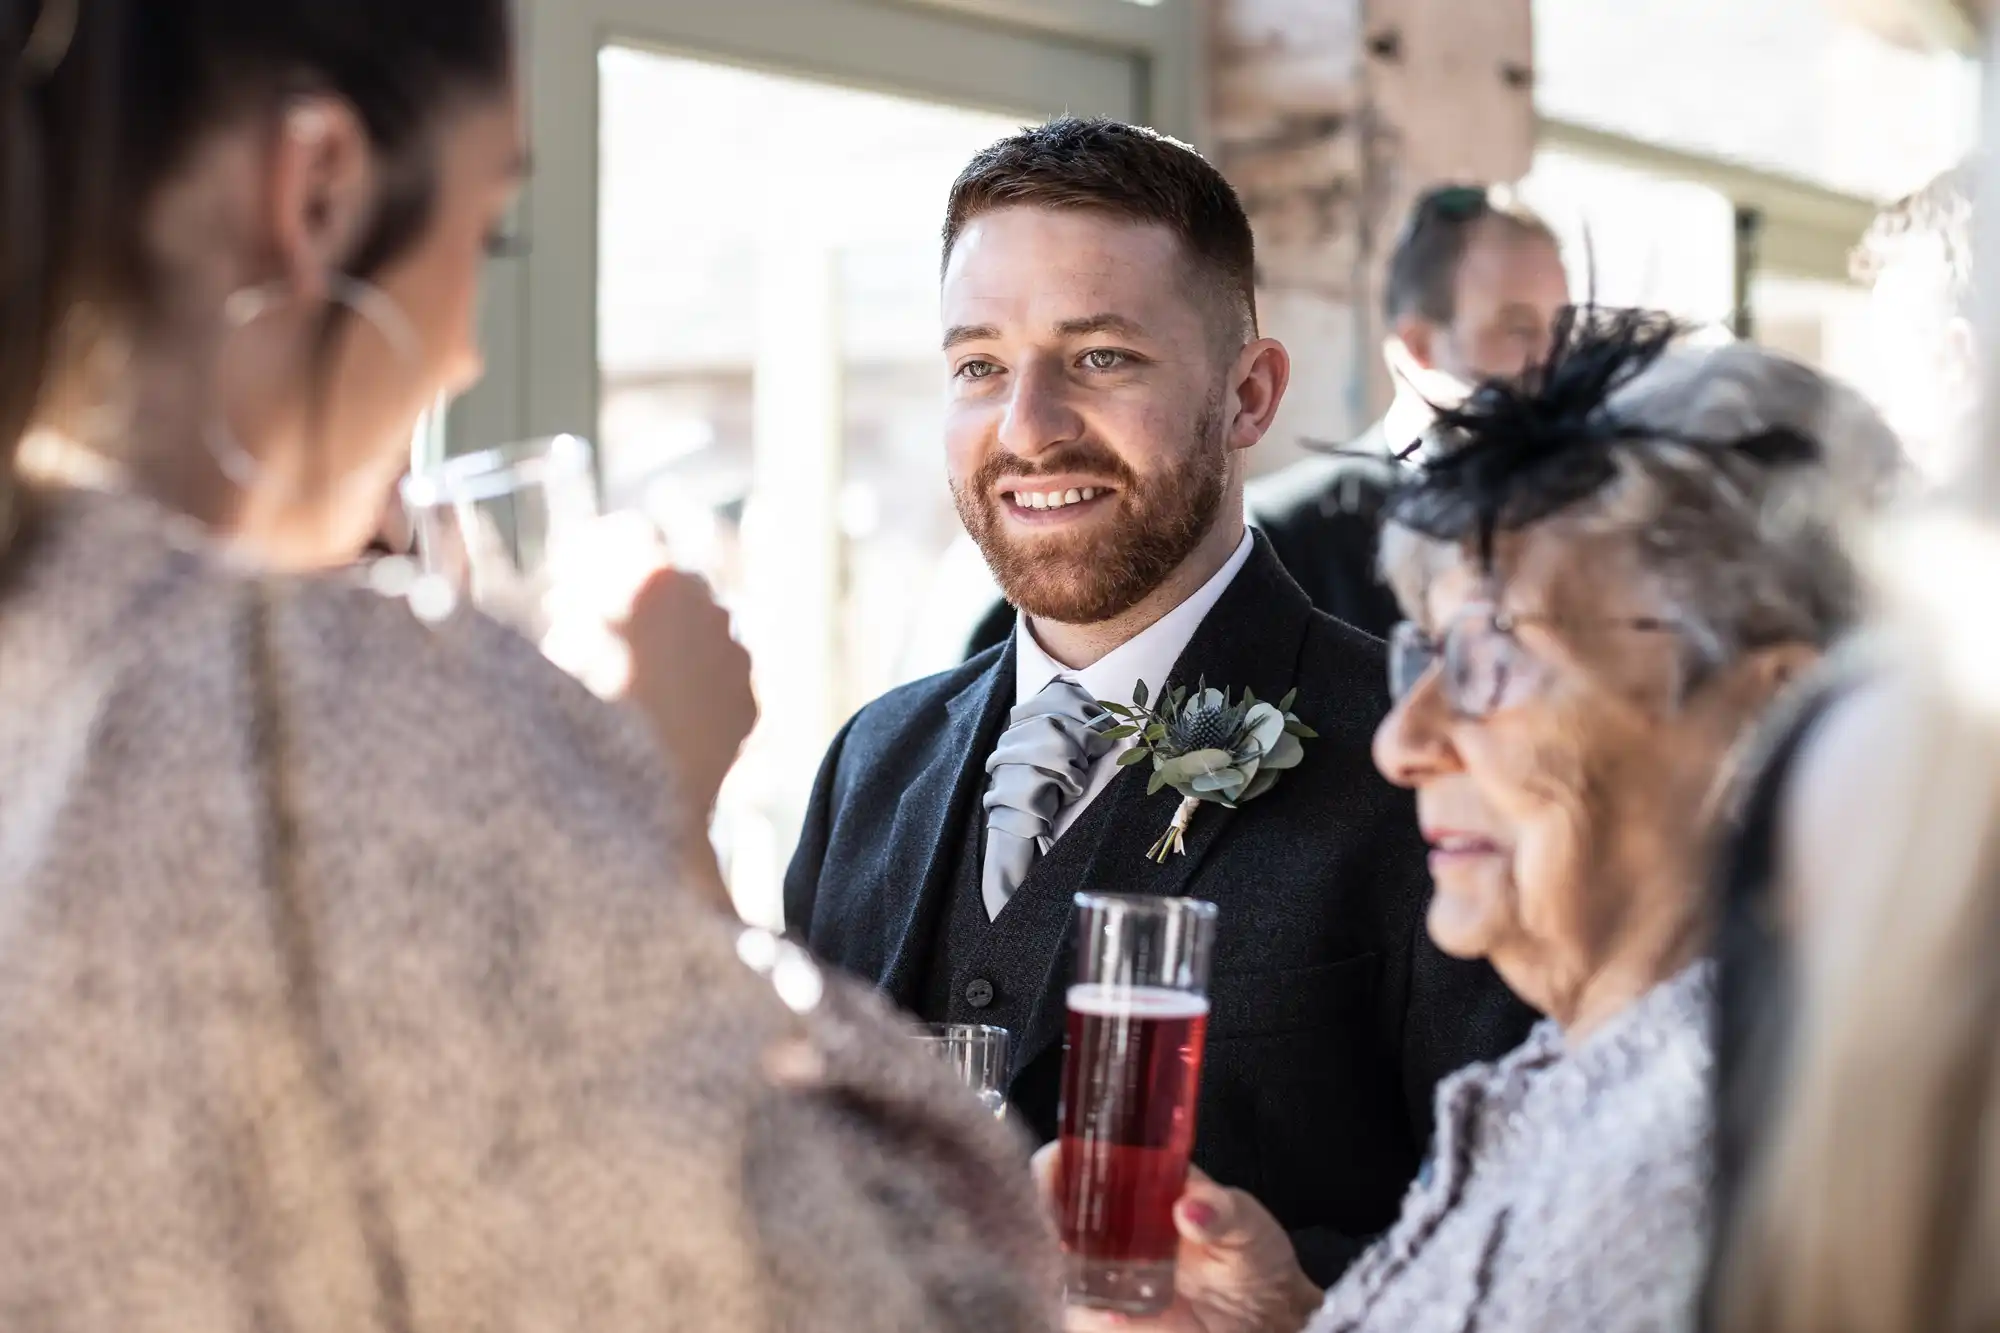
(1042,763)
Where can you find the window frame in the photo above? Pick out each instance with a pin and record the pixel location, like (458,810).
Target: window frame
(538,322)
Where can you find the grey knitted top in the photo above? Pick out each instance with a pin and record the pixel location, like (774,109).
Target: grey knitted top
(345,985)
(1568,1190)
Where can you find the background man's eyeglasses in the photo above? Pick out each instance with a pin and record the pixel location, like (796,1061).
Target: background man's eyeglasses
(1458,203)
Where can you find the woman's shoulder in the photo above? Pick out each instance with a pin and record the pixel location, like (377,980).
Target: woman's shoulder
(1632,1111)
(1607,1224)
(1654,1064)
(445,690)
(850,1109)
(397,731)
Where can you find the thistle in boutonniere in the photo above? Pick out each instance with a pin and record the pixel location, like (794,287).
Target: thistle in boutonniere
(1208,748)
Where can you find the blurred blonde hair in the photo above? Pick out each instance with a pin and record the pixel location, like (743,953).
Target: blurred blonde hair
(1876,1208)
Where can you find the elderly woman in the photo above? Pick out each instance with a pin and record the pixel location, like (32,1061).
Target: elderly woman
(1608,573)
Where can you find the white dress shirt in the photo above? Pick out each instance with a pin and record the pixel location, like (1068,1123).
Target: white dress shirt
(1149,656)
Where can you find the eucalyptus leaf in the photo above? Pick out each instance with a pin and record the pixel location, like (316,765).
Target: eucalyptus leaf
(1205,783)
(1302,730)
(1139,695)
(1266,725)
(1260,784)
(1183,767)
(1156,733)
(1159,781)
(1121,733)
(1287,753)
(1134,756)
(1119,709)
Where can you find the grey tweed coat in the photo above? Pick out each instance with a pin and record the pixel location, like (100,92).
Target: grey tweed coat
(345,985)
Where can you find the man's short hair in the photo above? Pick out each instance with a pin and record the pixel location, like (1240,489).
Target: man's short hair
(1126,172)
(1423,268)
(1934,224)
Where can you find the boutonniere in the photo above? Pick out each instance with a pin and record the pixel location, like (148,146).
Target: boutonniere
(1208,749)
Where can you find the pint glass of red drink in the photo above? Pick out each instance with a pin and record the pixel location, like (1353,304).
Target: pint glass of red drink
(1138,1015)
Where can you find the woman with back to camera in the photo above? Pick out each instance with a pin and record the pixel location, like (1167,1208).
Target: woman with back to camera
(350,977)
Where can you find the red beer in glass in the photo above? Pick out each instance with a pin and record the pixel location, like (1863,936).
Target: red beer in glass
(1138,1017)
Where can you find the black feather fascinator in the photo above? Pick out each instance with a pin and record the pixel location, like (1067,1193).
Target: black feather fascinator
(1517,451)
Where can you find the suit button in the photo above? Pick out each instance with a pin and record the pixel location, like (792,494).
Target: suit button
(979,993)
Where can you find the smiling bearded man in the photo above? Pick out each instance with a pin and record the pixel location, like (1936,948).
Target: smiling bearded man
(1056,572)
(1106,380)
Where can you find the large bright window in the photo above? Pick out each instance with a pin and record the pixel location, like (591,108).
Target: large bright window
(772,391)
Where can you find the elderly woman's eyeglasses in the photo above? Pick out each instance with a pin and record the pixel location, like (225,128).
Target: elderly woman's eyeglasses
(1485,663)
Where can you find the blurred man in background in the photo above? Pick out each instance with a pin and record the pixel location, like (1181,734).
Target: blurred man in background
(1474,286)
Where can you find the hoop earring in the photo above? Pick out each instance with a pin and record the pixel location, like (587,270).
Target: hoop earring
(249,304)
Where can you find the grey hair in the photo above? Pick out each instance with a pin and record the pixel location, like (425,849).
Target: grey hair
(1742,555)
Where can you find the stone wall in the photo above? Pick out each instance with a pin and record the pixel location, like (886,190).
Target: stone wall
(1330,116)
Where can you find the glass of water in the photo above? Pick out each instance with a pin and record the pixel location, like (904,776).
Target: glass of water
(978,1055)
(516,531)
(489,525)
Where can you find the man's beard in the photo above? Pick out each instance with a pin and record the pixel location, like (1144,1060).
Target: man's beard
(1094,575)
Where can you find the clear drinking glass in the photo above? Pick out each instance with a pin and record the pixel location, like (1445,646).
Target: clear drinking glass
(978,1055)
(1138,1017)
(516,531)
(491,525)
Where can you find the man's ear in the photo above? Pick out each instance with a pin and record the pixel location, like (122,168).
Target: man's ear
(1416,336)
(1262,372)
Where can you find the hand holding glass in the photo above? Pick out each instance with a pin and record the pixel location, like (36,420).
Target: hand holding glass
(516,530)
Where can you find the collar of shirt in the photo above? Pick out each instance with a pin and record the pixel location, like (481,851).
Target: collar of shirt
(1149,656)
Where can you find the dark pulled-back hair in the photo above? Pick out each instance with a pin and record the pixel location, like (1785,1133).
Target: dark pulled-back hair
(101,101)
(1423,266)
(1126,172)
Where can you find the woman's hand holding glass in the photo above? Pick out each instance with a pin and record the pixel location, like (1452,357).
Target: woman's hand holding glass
(623,620)
(690,677)
(517,529)
(1235,1272)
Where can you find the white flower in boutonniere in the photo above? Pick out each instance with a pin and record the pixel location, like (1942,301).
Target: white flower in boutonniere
(1208,749)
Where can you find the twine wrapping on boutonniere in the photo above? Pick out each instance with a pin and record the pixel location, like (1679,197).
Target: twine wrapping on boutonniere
(1208,749)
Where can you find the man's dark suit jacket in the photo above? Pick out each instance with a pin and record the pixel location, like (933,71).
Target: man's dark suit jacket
(1332,1015)
(1324,518)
